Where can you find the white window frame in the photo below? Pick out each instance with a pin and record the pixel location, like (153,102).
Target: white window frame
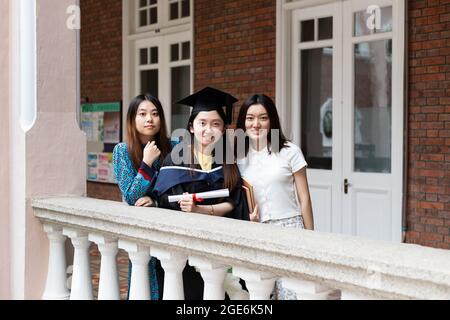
(137,17)
(163,17)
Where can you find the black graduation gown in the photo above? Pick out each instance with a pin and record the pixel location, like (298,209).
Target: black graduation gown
(176,183)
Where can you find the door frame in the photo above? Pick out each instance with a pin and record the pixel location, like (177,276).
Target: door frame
(283,90)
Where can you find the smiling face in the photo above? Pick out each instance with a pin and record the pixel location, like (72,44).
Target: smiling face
(207,127)
(257,122)
(148,122)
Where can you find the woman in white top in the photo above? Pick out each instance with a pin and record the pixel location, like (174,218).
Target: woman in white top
(276,168)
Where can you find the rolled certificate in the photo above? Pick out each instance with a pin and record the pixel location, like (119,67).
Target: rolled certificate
(199,197)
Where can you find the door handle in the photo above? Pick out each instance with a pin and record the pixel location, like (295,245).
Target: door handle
(346,185)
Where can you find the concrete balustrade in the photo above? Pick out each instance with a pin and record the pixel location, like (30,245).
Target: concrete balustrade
(314,265)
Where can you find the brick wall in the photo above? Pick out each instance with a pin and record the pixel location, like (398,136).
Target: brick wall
(235,46)
(428,199)
(101,65)
(101,50)
(105,191)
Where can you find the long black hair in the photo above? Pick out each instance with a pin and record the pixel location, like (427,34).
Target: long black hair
(271,109)
(134,145)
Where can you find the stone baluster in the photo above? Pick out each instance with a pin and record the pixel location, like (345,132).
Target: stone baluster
(81,288)
(108,288)
(259,284)
(139,256)
(173,265)
(213,275)
(56,284)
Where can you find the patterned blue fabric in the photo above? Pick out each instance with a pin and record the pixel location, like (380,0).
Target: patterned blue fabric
(134,186)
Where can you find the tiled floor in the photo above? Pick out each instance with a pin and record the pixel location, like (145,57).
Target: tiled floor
(122,261)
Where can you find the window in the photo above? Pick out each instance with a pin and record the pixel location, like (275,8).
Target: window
(158,14)
(148,56)
(180,51)
(179,9)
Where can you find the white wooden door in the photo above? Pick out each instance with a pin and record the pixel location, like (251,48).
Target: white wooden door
(355,164)
(372,119)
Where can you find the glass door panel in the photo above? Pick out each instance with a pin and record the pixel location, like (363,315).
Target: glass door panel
(317,107)
(373,106)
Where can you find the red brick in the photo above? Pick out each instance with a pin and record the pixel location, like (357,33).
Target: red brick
(431,205)
(432,221)
(431,237)
(433,61)
(413,235)
(433,189)
(445,17)
(433,11)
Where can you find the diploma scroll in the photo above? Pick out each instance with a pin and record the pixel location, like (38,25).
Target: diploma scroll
(222,193)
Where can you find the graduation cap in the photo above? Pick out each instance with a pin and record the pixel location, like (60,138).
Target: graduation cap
(211,99)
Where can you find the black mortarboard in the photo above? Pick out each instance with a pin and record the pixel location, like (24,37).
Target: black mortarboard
(210,99)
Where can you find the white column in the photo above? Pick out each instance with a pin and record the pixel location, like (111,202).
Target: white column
(308,290)
(259,284)
(108,288)
(81,277)
(173,265)
(56,285)
(139,282)
(213,275)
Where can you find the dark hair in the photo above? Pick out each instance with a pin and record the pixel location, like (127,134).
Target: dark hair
(230,171)
(269,105)
(134,145)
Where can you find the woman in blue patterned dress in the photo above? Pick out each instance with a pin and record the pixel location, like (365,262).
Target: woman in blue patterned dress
(137,161)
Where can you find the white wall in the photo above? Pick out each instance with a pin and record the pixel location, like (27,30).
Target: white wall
(4,147)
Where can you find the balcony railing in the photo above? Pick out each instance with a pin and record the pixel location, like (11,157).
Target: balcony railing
(314,265)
